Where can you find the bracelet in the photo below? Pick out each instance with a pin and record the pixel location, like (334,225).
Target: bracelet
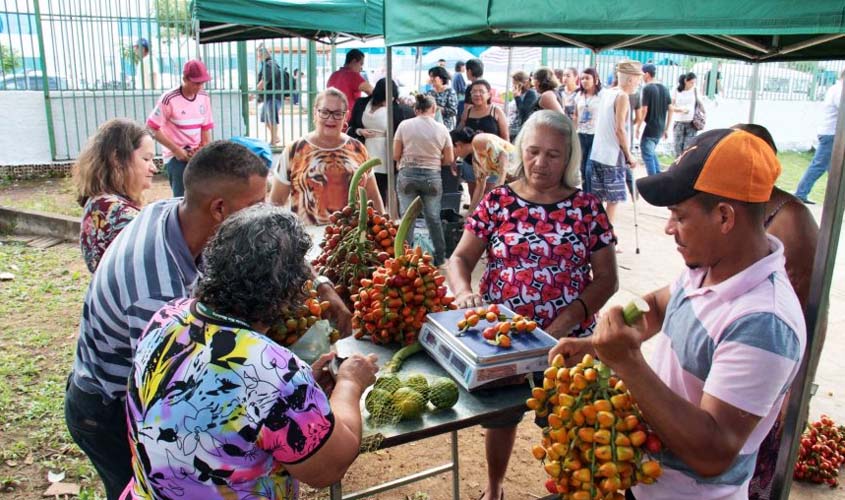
(584,306)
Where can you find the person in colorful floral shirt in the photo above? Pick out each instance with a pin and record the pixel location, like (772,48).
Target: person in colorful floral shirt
(112,172)
(218,410)
(550,253)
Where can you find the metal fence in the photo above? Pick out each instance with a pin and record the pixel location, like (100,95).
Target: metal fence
(778,81)
(97,59)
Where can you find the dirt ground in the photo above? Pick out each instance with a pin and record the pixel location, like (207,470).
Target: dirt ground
(654,265)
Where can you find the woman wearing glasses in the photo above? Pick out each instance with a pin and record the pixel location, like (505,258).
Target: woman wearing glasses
(315,170)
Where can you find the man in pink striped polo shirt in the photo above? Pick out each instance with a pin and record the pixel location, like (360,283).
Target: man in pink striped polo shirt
(729,333)
(182,122)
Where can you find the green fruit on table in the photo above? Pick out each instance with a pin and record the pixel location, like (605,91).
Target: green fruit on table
(409,402)
(443,393)
(418,383)
(388,383)
(375,400)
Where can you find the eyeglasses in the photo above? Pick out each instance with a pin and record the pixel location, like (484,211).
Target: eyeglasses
(326,113)
(478,92)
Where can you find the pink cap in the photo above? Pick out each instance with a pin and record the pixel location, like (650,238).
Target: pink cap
(195,71)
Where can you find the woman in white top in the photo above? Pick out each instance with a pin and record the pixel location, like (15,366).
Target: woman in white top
(369,125)
(421,146)
(587,107)
(683,108)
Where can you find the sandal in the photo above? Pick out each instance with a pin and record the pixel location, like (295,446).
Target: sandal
(501,497)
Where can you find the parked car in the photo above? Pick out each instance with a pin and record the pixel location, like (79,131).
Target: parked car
(33,80)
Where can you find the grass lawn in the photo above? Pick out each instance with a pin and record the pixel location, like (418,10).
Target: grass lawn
(56,195)
(40,310)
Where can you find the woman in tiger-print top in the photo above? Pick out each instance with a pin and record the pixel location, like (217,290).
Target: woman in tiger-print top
(315,170)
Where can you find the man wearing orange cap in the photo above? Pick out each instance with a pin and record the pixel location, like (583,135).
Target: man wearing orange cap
(182,122)
(728,334)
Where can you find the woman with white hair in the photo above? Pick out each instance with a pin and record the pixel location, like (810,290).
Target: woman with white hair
(550,253)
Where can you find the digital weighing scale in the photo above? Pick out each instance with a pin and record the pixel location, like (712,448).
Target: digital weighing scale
(471,360)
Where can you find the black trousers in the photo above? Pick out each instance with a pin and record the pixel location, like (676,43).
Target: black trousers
(100,430)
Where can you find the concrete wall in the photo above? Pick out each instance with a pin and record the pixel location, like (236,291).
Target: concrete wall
(24,135)
(23,128)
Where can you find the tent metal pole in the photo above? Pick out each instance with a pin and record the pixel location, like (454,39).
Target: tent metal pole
(816,313)
(508,78)
(755,82)
(392,209)
(418,68)
(312,81)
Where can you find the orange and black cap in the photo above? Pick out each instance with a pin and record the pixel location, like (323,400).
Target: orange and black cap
(729,163)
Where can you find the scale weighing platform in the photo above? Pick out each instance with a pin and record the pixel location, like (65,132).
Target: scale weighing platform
(471,360)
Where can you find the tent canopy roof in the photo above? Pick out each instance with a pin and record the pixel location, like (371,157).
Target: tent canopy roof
(321,20)
(773,30)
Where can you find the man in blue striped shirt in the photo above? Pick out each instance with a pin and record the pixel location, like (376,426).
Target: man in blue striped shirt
(153,261)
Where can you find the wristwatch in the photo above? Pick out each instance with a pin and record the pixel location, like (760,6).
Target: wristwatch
(322,280)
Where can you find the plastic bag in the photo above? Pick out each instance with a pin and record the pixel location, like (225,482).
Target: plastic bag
(314,343)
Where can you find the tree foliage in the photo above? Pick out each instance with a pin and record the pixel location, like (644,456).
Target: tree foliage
(9,59)
(174,18)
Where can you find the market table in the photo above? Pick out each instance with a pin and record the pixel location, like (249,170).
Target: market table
(472,408)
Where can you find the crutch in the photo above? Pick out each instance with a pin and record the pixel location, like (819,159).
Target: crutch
(634,196)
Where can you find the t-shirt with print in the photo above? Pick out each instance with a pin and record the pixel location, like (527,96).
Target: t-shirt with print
(538,255)
(487,152)
(588,108)
(319,178)
(181,119)
(740,341)
(216,410)
(349,82)
(103,218)
(423,140)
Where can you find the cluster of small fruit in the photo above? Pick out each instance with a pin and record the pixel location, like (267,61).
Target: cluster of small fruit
(595,442)
(298,320)
(501,327)
(821,453)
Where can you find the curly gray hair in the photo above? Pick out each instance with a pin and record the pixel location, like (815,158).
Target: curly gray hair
(255,265)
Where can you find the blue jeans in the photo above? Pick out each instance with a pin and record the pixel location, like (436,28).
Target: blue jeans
(427,184)
(817,167)
(175,172)
(100,431)
(586,141)
(647,146)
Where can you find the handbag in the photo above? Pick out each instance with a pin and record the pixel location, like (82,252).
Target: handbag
(699,116)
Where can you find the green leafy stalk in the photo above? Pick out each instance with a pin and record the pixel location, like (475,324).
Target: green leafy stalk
(356,180)
(405,226)
(401,355)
